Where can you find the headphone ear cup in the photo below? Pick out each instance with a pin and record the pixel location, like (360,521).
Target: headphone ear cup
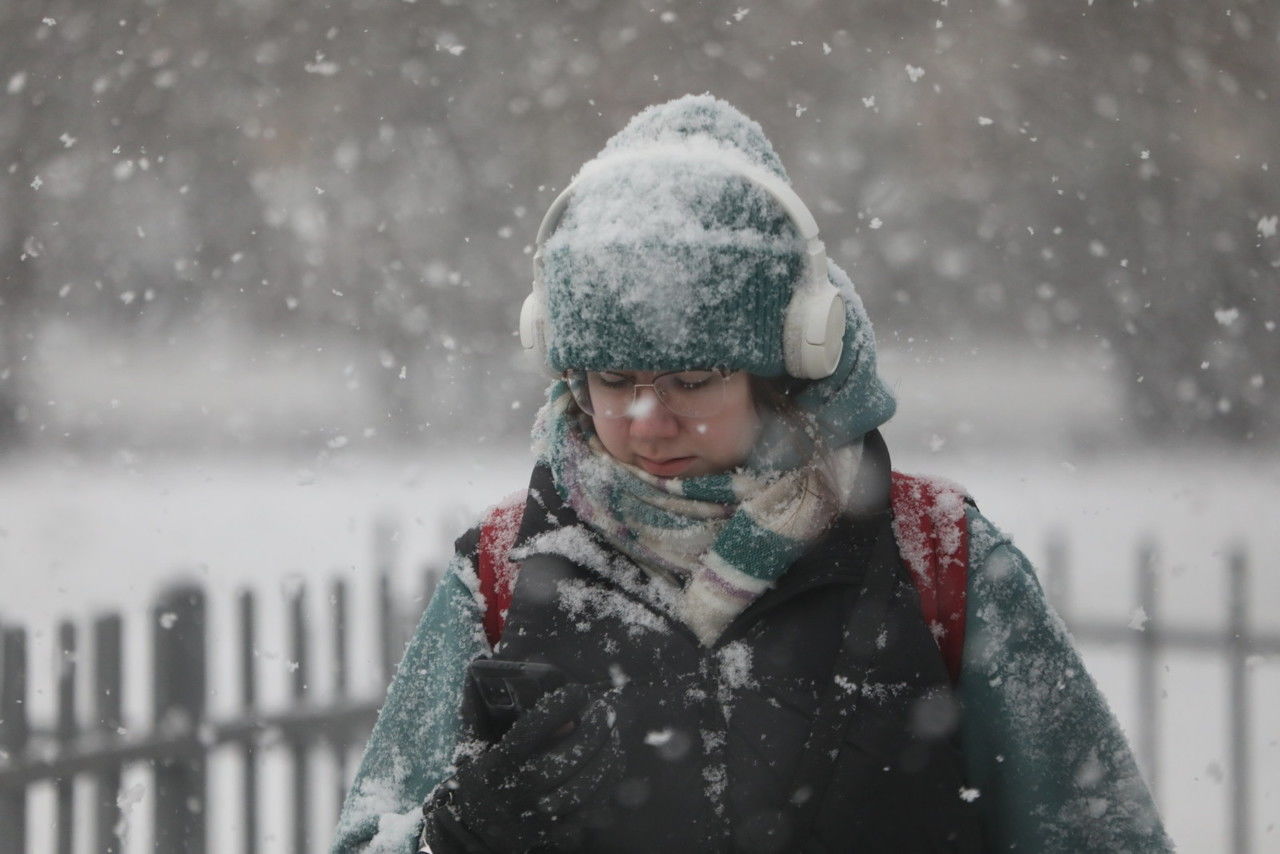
(813,340)
(533,325)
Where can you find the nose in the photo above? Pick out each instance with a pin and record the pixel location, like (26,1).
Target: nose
(649,418)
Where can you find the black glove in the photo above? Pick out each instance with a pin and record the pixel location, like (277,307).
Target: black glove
(544,784)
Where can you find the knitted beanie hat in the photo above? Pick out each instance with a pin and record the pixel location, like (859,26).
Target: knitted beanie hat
(672,259)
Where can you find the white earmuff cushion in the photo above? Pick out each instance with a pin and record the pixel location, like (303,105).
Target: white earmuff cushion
(814,334)
(532,327)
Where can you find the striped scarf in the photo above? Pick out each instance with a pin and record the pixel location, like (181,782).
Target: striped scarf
(724,538)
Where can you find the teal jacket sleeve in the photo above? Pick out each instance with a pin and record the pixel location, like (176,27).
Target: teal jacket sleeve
(412,744)
(1051,768)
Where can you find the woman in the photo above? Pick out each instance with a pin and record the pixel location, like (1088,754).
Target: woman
(713,560)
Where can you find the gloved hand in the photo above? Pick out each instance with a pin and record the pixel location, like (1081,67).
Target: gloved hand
(543,784)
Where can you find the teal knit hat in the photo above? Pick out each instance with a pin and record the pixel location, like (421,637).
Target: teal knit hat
(667,262)
(670,263)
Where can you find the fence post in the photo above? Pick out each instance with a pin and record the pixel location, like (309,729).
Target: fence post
(179,692)
(1238,650)
(248,702)
(389,629)
(107,681)
(430,581)
(298,663)
(385,623)
(65,733)
(338,598)
(1057,585)
(1148,673)
(14,733)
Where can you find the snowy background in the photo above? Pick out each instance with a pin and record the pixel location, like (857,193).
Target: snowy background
(260,263)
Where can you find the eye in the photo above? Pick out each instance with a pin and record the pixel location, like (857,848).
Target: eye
(608,379)
(693,380)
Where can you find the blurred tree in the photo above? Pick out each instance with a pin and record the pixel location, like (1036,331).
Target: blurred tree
(376,169)
(27,114)
(1169,256)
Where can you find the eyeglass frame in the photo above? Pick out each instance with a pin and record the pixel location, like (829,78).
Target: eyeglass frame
(722,372)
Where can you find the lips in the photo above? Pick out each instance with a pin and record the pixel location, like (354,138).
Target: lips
(670,467)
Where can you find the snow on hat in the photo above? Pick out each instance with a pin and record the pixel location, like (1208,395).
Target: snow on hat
(668,262)
(676,260)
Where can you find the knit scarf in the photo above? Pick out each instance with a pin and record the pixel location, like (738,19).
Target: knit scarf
(724,538)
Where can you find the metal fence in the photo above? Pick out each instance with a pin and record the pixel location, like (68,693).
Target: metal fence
(182,737)
(1233,644)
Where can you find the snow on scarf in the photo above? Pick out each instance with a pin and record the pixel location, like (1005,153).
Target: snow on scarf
(725,538)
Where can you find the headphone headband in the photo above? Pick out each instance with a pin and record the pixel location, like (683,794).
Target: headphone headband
(814,326)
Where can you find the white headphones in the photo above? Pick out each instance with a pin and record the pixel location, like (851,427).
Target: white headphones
(813,330)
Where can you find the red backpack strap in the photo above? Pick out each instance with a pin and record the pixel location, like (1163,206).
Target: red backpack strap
(933,538)
(928,522)
(497,574)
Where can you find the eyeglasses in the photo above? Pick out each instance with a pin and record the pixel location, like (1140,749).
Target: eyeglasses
(611,394)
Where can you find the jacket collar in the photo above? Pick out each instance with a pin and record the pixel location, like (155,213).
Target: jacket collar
(839,557)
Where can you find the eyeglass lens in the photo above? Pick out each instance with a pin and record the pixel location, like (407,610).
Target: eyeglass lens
(604,394)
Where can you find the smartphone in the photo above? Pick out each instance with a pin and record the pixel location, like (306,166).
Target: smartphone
(507,689)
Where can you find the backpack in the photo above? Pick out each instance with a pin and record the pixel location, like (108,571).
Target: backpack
(928,523)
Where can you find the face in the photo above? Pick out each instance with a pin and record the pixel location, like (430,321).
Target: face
(653,438)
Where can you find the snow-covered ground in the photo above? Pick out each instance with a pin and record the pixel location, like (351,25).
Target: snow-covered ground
(1037,437)
(76,539)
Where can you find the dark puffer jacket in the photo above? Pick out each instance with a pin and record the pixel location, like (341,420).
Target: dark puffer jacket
(1044,765)
(715,738)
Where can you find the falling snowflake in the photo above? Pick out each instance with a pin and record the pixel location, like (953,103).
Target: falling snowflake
(1226,316)
(126,800)
(321,67)
(1138,619)
(914,72)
